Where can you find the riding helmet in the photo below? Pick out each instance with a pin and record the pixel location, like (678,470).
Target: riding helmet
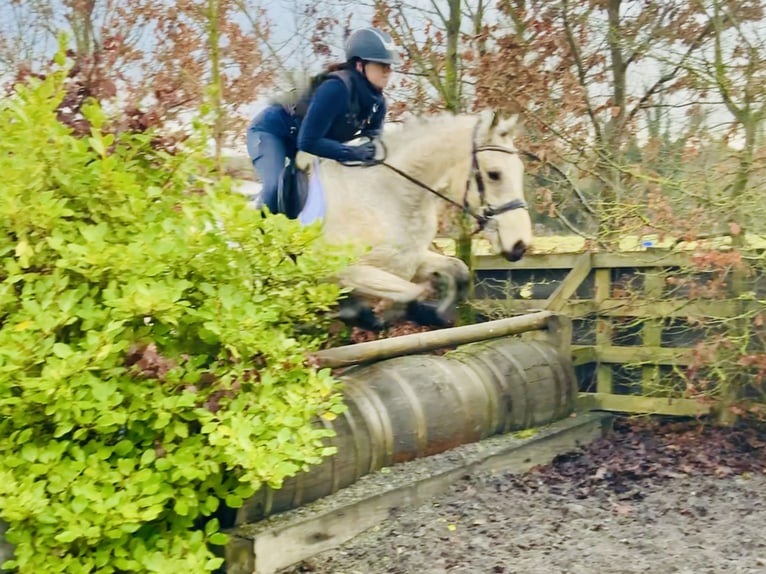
(372,45)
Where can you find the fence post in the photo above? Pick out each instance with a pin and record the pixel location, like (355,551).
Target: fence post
(465,252)
(730,387)
(603,279)
(567,288)
(651,330)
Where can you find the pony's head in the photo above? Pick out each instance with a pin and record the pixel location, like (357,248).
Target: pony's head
(496,193)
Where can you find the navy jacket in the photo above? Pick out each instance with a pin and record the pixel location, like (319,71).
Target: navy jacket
(333,117)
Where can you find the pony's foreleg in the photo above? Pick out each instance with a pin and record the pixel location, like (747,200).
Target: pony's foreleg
(449,278)
(372,282)
(368,284)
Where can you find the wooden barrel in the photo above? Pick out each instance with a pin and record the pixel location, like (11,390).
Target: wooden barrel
(534,383)
(414,406)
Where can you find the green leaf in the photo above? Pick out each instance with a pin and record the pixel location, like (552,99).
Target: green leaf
(62,351)
(98,145)
(29,452)
(79,504)
(212,526)
(102,390)
(211,504)
(181,507)
(218,539)
(148,457)
(123,447)
(67,536)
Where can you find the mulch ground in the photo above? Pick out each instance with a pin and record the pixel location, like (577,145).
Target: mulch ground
(645,450)
(656,496)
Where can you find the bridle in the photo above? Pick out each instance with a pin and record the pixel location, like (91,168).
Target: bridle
(485,212)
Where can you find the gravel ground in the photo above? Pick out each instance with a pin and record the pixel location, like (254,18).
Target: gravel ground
(655,497)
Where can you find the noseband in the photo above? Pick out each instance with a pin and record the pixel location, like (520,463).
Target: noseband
(486,212)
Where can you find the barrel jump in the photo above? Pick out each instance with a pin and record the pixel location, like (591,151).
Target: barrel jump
(413,406)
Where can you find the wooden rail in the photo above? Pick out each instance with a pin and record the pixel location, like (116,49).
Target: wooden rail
(430,340)
(634,260)
(634,308)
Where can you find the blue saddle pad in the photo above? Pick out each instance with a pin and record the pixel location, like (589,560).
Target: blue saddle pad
(314,208)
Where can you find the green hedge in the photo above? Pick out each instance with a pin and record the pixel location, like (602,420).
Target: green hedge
(152,346)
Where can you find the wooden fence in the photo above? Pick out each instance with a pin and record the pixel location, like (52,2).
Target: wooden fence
(602,293)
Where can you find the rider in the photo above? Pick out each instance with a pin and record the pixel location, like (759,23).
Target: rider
(344,102)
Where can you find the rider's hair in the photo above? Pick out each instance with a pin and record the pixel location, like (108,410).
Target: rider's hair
(336,67)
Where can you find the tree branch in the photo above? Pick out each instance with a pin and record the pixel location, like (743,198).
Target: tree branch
(581,72)
(669,76)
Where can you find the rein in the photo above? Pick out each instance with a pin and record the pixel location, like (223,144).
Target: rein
(487,212)
(419,183)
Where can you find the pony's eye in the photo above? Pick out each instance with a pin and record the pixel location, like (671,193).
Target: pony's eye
(493,175)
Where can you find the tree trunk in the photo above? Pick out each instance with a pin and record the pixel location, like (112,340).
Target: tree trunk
(452,60)
(216,96)
(610,146)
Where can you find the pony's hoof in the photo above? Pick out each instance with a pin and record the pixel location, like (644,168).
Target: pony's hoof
(428,314)
(357,315)
(367,319)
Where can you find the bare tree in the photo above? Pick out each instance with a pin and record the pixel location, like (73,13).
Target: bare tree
(440,41)
(735,69)
(585,73)
(156,60)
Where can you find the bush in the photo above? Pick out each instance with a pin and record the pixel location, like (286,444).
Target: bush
(152,346)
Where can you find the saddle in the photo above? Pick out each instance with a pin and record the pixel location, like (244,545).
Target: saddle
(300,194)
(293,190)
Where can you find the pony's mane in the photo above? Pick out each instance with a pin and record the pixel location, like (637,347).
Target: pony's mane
(415,128)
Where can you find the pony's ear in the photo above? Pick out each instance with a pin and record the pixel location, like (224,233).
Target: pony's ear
(508,128)
(487,121)
(495,128)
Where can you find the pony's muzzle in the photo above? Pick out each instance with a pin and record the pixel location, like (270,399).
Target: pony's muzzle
(516,252)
